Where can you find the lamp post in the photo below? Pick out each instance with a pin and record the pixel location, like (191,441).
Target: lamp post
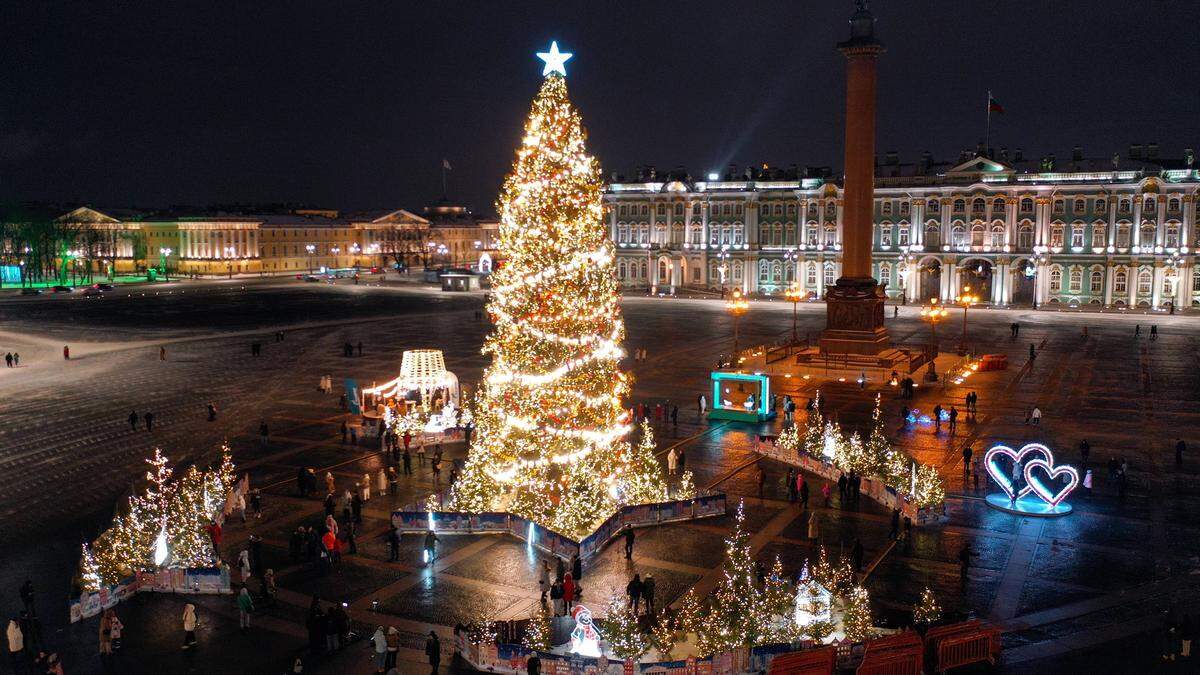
(933,314)
(793,296)
(737,306)
(335,251)
(229,251)
(163,254)
(723,267)
(355,249)
(311,249)
(966,299)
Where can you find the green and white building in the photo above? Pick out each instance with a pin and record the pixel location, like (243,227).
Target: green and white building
(1108,233)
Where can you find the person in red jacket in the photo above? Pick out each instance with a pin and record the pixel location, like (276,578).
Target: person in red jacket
(214,533)
(568,591)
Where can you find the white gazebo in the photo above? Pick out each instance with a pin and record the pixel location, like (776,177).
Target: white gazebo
(422,371)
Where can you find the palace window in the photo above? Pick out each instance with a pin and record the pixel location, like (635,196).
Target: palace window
(764,271)
(738,208)
(1173,204)
(885,236)
(1123,235)
(1168,287)
(958,235)
(934,206)
(931,235)
(1059,207)
(1101,205)
(812,209)
(737,270)
(831,210)
(1098,235)
(830,235)
(1124,206)
(1026,205)
(997,235)
(1172,235)
(696,232)
(811,239)
(810,275)
(1055,280)
(661,210)
(764,210)
(622,233)
(779,209)
(977,233)
(778,239)
(645,209)
(1120,282)
(739,236)
(998,205)
(696,209)
(829,274)
(1145,279)
(1056,235)
(1076,281)
(1025,236)
(887,207)
(791,210)
(1146,238)
(791,235)
(1196,280)
(679,209)
(1077,236)
(1079,206)
(1097,282)
(960,205)
(904,208)
(978,206)
(902,236)
(1151,204)
(885,273)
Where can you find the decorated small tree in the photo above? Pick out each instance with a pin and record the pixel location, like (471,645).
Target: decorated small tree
(930,490)
(625,637)
(856,614)
(689,618)
(643,482)
(538,633)
(89,570)
(837,577)
(663,636)
(738,614)
(814,428)
(687,486)
(927,612)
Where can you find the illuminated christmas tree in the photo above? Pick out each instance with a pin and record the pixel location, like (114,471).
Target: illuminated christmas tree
(738,614)
(550,443)
(89,570)
(856,616)
(663,637)
(814,428)
(537,633)
(928,611)
(622,632)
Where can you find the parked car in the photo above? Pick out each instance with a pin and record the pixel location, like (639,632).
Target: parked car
(92,290)
(104,287)
(62,289)
(31,291)
(311,278)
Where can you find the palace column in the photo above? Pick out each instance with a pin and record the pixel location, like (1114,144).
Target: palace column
(854,305)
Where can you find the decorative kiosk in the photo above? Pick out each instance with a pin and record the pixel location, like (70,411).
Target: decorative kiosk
(742,397)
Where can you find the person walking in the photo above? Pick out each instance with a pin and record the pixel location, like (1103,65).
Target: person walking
(791,485)
(1153,332)
(8,359)
(568,592)
(16,360)
(576,567)
(937,418)
(345,429)
(149,417)
(239,505)
(556,597)
(1085,449)
(381,482)
(895,531)
(953,419)
(966,455)
(762,481)
(628,543)
(433,649)
(1036,415)
(329,481)
(544,579)
(964,561)
(842,487)
(825,492)
(189,626)
(162,353)
(379,643)
(245,606)
(634,590)
(243,563)
(256,503)
(1032,352)
(16,643)
(703,405)
(263,434)
(133,420)
(1180,448)
(803,491)
(393,544)
(393,647)
(1137,330)
(66,353)
(431,540)
(407,461)
(106,649)
(1087,483)
(212,412)
(672,461)
(814,527)
(648,594)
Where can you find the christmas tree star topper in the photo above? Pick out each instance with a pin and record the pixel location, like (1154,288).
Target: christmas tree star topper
(555,60)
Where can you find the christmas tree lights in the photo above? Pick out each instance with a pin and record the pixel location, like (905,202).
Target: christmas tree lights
(928,611)
(622,632)
(739,613)
(537,633)
(856,617)
(550,441)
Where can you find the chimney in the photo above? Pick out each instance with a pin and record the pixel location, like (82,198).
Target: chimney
(1135,151)
(1152,151)
(980,151)
(1189,157)
(925,163)
(1018,155)
(1004,154)
(1077,153)
(892,157)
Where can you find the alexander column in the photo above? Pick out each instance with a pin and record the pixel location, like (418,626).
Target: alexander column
(854,305)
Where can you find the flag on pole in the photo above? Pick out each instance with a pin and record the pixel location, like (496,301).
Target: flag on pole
(446,164)
(994,105)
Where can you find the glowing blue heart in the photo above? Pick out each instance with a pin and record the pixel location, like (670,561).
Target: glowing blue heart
(1045,492)
(1001,477)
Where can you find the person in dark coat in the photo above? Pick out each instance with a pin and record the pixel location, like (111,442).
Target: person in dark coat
(394,545)
(330,504)
(576,568)
(634,590)
(648,593)
(433,650)
(628,542)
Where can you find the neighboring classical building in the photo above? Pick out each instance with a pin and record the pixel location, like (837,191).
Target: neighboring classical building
(1093,232)
(459,238)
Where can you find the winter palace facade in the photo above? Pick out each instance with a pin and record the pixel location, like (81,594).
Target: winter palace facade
(1121,237)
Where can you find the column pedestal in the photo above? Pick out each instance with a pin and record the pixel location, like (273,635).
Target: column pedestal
(854,318)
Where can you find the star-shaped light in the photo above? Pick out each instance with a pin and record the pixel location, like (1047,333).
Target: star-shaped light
(555,60)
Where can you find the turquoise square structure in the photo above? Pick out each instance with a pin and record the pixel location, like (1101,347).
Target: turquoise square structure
(760,412)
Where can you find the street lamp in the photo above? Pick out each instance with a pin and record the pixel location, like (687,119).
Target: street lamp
(966,299)
(737,306)
(163,254)
(229,251)
(793,296)
(933,314)
(335,251)
(355,249)
(311,249)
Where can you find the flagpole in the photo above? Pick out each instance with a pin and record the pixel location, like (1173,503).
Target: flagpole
(444,179)
(987,133)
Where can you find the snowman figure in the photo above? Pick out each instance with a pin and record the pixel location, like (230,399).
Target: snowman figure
(585,639)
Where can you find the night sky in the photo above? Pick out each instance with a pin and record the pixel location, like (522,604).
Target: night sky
(354,105)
